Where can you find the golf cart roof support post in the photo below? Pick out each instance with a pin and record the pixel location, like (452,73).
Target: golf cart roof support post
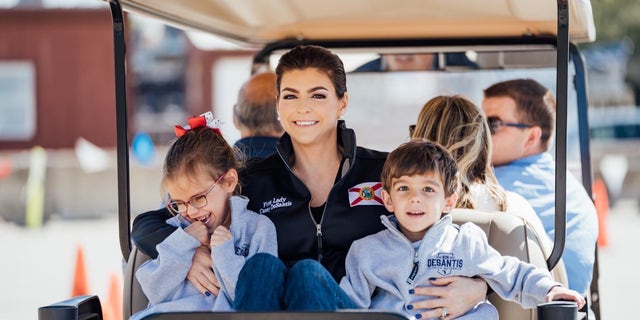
(561,133)
(124,212)
(580,83)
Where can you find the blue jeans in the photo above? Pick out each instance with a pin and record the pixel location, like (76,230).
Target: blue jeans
(265,284)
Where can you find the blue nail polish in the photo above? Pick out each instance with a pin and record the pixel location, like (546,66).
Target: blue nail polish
(207,293)
(411,291)
(432,279)
(409,307)
(418,316)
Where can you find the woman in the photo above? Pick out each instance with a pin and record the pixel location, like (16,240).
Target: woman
(319,189)
(461,127)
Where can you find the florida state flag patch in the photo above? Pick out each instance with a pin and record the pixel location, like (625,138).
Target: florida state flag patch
(366,194)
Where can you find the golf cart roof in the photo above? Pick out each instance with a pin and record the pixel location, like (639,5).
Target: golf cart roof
(257,22)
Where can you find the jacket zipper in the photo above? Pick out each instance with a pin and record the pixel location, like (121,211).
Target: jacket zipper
(414,270)
(318,230)
(318,225)
(416,254)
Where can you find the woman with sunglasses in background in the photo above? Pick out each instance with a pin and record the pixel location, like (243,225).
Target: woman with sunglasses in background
(461,127)
(201,179)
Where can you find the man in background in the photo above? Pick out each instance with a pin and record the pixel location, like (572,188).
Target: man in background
(255,116)
(521,116)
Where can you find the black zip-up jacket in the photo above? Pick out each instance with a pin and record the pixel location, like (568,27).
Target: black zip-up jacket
(275,191)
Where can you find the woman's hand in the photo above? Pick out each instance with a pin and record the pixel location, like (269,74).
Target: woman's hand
(219,236)
(453,296)
(199,231)
(201,274)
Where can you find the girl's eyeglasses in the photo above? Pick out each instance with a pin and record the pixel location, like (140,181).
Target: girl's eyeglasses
(178,207)
(495,123)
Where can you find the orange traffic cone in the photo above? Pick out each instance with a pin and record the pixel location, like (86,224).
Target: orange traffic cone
(112,310)
(601,201)
(80,286)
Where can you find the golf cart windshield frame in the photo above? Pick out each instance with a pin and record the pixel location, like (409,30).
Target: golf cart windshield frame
(566,52)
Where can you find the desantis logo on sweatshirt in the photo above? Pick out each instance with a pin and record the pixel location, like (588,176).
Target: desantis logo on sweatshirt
(242,250)
(444,263)
(366,194)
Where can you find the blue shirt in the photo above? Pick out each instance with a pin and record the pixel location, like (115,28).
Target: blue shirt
(533,177)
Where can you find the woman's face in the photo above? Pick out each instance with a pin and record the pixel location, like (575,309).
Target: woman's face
(309,107)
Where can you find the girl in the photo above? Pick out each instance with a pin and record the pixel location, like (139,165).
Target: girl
(201,179)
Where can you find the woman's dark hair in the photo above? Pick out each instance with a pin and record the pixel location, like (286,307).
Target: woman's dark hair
(310,56)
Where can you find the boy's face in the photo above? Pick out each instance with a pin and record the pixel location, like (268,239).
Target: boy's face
(418,202)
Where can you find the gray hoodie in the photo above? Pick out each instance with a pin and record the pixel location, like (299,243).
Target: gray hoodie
(163,279)
(383,267)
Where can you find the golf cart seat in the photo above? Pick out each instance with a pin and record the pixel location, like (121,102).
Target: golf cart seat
(508,234)
(512,236)
(134,298)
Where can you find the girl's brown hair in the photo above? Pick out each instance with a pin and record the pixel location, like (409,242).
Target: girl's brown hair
(199,150)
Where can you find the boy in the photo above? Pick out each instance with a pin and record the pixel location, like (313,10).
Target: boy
(421,243)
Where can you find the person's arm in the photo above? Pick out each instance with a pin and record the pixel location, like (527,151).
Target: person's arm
(354,283)
(510,277)
(162,276)
(149,229)
(227,263)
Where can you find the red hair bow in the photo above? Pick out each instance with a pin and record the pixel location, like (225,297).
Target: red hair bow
(203,120)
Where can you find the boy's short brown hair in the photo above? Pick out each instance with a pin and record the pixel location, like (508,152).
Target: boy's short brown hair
(420,156)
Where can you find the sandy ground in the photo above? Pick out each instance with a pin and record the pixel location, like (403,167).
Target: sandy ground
(37,267)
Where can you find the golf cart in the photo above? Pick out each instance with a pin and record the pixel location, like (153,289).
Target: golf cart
(497,39)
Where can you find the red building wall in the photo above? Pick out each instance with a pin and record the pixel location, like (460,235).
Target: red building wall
(72,51)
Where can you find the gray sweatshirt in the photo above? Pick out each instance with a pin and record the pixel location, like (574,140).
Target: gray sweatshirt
(163,279)
(383,267)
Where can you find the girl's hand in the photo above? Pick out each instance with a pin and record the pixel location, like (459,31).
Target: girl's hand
(453,296)
(199,231)
(219,236)
(562,293)
(201,275)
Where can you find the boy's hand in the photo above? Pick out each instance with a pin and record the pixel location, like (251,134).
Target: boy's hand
(562,293)
(199,231)
(219,236)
